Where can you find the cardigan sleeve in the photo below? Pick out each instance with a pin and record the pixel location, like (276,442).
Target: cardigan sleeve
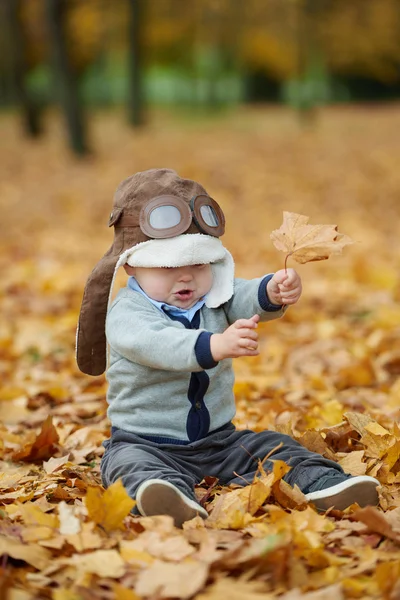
(143,335)
(250,298)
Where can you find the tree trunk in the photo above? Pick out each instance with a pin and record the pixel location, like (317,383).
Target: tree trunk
(15,42)
(306,46)
(135,66)
(65,80)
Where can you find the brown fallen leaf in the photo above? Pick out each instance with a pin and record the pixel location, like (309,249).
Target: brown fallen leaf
(168,580)
(31,553)
(376,521)
(306,243)
(289,497)
(353,464)
(43,446)
(236,589)
(104,563)
(332,592)
(173,548)
(236,508)
(55,463)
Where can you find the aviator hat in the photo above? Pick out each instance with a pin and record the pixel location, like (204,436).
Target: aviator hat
(159,220)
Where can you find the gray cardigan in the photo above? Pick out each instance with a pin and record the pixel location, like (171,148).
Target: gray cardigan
(164,384)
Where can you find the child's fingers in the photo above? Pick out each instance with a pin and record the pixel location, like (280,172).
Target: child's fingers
(249,323)
(293,280)
(249,352)
(290,298)
(280,276)
(248,333)
(291,292)
(248,343)
(293,286)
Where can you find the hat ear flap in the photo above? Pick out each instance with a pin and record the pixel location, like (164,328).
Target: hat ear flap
(91,345)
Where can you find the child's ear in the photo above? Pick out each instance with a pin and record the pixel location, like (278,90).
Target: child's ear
(129,270)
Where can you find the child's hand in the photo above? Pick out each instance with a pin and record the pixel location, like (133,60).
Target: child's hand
(284,287)
(240,339)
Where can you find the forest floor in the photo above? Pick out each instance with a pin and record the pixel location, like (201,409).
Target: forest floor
(328,372)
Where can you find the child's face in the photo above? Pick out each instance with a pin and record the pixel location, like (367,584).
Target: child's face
(177,286)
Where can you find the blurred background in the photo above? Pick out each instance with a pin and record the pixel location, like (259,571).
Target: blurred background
(272,105)
(204,54)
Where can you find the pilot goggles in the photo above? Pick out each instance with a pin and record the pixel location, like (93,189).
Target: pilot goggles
(169,216)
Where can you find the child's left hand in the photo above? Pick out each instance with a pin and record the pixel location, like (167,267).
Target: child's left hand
(284,287)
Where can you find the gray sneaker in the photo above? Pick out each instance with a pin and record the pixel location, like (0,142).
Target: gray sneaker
(360,489)
(159,497)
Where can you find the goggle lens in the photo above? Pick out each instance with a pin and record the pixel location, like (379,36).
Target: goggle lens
(209,216)
(164,217)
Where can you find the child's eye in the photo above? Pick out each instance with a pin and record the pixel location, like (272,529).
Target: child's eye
(199,266)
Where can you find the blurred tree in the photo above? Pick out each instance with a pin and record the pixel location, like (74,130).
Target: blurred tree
(363,38)
(64,75)
(17,65)
(135,64)
(208,51)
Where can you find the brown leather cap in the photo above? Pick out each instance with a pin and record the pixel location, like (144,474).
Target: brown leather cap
(131,195)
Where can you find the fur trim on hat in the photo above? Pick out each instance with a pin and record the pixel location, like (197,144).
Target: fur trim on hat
(183,250)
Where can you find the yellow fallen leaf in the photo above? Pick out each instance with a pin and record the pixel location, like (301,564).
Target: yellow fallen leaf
(109,508)
(123,593)
(387,575)
(358,420)
(392,455)
(332,412)
(31,553)
(54,463)
(306,243)
(353,463)
(235,509)
(166,580)
(236,589)
(280,469)
(289,497)
(154,544)
(10,393)
(18,594)
(104,563)
(32,515)
(376,521)
(86,538)
(133,556)
(65,594)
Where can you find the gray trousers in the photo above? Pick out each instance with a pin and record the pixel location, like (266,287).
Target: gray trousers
(229,455)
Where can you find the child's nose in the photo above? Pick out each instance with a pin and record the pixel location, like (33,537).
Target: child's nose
(185,275)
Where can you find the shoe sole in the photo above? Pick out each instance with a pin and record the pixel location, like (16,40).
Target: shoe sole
(344,494)
(162,498)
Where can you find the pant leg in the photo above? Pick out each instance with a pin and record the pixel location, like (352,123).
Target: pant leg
(241,450)
(137,460)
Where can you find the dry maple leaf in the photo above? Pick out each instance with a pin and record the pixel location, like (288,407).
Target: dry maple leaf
(43,447)
(109,508)
(306,243)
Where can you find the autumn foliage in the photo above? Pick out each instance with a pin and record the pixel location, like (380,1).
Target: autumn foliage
(327,374)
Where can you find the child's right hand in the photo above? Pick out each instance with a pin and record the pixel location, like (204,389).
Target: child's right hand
(240,339)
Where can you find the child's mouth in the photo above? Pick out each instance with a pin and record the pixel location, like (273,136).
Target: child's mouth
(184,294)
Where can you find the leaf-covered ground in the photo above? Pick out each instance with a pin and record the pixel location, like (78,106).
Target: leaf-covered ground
(328,373)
